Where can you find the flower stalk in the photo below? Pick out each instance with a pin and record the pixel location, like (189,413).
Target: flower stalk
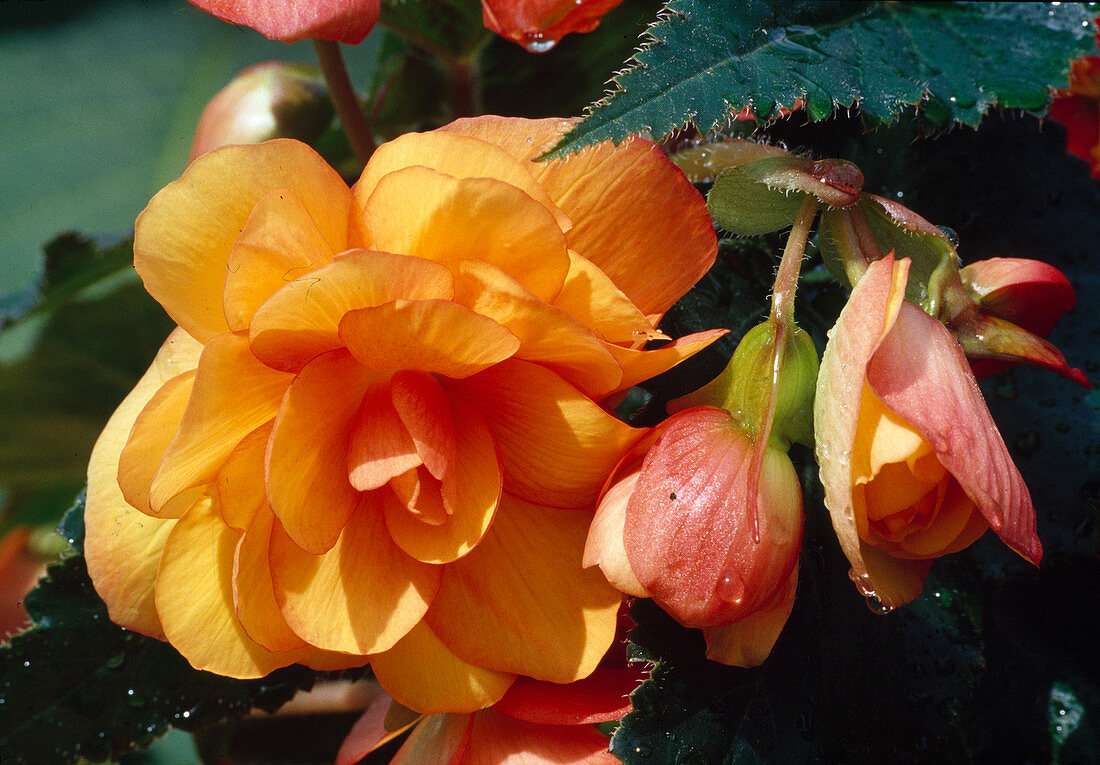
(354,121)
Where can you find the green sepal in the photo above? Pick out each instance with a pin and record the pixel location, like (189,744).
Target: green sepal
(764,196)
(852,238)
(744,387)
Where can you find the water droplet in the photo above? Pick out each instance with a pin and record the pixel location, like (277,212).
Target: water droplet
(877,606)
(642,751)
(900,194)
(731,589)
(536,43)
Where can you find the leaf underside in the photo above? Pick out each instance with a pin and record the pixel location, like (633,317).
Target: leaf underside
(952,62)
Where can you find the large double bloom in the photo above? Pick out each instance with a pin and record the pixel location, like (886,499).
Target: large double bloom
(377,434)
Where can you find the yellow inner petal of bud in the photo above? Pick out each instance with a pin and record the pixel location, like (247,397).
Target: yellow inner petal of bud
(904,499)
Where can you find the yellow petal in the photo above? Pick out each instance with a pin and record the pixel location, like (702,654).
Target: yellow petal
(195,599)
(233,395)
(240,482)
(123,546)
(423,674)
(253,591)
(556,444)
(893,581)
(307,461)
(430,335)
(547,334)
(302,320)
(279,243)
(593,299)
(747,643)
(521,602)
(153,431)
(623,232)
(362,596)
(458,156)
(476,482)
(184,238)
(419,212)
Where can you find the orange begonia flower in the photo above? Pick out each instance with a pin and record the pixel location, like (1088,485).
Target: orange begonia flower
(346,21)
(377,434)
(912,463)
(538,24)
(535,723)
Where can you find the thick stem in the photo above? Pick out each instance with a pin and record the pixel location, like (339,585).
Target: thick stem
(786,280)
(782,315)
(344,99)
(465,94)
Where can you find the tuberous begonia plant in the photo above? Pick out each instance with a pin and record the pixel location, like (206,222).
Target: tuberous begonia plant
(504,419)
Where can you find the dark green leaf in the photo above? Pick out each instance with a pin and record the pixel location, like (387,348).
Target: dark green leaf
(76,685)
(706,60)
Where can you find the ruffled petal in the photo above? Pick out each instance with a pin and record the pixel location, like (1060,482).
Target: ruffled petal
(279,243)
(471,492)
(521,602)
(302,320)
(233,395)
(603,696)
(547,334)
(557,446)
(307,459)
(426,413)
(430,335)
(382,722)
(422,673)
(149,439)
(240,482)
(458,156)
(497,739)
(122,546)
(380,447)
(184,238)
(253,590)
(420,212)
(621,231)
(442,739)
(590,297)
(362,596)
(197,611)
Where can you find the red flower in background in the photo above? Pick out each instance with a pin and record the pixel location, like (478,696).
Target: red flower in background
(346,21)
(538,24)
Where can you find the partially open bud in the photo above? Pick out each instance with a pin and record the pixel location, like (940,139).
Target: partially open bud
(269,100)
(1001,309)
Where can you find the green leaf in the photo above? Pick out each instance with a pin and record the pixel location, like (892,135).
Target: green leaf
(78,686)
(65,364)
(952,61)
